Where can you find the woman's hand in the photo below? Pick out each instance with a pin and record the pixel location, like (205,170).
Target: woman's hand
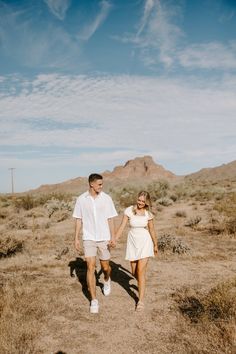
(112,242)
(155,249)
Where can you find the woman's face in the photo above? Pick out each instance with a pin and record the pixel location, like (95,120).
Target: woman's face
(141,202)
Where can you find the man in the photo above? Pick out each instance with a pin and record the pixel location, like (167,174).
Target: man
(94,212)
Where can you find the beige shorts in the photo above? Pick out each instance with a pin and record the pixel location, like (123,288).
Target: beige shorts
(93,248)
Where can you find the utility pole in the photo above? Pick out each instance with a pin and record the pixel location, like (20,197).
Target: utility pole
(12,179)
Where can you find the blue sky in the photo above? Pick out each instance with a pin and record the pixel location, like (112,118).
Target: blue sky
(87,85)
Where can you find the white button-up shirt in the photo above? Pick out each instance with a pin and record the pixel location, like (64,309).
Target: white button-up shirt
(95,213)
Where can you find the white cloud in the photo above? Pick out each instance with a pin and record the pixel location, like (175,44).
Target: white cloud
(158,36)
(213,55)
(149,4)
(91,28)
(136,113)
(58,7)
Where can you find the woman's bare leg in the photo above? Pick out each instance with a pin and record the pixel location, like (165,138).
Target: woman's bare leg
(141,277)
(133,265)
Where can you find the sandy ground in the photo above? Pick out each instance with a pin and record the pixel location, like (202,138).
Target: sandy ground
(66,325)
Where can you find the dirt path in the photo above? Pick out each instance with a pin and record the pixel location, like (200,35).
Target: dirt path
(66,326)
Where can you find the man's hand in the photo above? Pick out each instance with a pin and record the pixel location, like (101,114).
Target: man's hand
(78,246)
(112,242)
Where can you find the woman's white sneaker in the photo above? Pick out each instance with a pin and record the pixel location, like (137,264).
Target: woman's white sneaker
(107,287)
(94,307)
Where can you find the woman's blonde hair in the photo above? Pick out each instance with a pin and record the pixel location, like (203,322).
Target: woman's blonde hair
(148,203)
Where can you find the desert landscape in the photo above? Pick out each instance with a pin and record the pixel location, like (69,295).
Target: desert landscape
(190,303)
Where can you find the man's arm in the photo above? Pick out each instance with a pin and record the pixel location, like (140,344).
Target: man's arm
(78,225)
(112,232)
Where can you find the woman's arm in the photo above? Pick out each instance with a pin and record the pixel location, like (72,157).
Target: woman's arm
(152,231)
(121,227)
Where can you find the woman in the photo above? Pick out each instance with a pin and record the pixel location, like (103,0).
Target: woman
(141,242)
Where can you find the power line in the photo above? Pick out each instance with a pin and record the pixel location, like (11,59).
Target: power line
(12,179)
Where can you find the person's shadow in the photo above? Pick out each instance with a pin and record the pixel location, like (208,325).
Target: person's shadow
(78,268)
(122,276)
(119,274)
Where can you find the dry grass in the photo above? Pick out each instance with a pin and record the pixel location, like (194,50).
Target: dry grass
(211,318)
(52,310)
(19,314)
(10,246)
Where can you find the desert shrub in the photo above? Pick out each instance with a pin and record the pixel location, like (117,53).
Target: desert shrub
(60,215)
(165,201)
(5,201)
(193,221)
(125,196)
(158,189)
(218,304)
(230,226)
(181,191)
(25,202)
(227,205)
(181,214)
(171,243)
(208,192)
(44,198)
(17,223)
(30,201)
(54,205)
(3,213)
(173,197)
(10,246)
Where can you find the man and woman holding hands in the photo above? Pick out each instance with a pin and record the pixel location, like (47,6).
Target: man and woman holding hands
(94,213)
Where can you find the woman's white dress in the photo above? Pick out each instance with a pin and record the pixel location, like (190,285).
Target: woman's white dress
(139,241)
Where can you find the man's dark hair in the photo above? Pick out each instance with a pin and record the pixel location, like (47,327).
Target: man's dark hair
(94,177)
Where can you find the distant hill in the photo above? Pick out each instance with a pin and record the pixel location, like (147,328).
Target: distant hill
(141,170)
(223,172)
(137,170)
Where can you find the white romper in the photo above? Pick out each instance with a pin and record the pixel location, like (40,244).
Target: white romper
(139,241)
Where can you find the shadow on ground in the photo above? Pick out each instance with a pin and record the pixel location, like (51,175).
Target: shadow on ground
(119,274)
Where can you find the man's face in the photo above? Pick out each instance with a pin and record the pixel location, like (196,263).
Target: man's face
(97,185)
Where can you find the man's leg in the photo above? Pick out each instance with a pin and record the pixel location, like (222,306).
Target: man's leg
(104,256)
(106,268)
(91,281)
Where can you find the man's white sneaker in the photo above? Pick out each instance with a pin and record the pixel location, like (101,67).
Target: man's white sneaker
(94,307)
(107,287)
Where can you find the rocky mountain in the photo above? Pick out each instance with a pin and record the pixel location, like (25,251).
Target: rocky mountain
(139,170)
(219,173)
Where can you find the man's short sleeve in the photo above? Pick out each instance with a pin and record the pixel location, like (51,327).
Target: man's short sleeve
(111,210)
(77,210)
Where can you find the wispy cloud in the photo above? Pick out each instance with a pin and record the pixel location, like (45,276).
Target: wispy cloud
(149,4)
(158,35)
(90,29)
(33,42)
(58,7)
(214,55)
